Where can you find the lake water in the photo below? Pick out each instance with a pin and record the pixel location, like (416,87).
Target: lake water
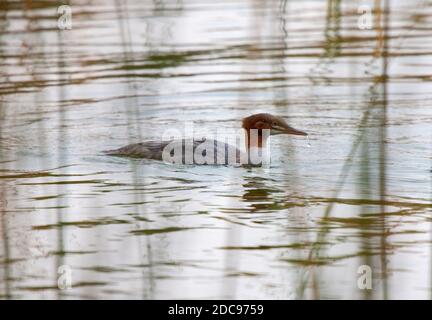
(303,228)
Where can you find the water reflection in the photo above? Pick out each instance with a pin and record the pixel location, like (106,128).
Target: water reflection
(258,192)
(128,70)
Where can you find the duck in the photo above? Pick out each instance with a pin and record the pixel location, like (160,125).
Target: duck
(257,130)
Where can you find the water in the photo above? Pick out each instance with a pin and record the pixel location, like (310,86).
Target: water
(130,70)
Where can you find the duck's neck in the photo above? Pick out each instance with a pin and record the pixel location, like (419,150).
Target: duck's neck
(255,139)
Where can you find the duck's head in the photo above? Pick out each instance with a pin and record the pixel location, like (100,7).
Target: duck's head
(276,125)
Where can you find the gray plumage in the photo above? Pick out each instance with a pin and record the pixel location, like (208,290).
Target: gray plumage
(205,151)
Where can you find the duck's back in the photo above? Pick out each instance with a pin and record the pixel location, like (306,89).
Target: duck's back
(182,151)
(145,150)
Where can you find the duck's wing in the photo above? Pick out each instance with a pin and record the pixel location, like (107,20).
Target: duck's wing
(153,149)
(216,152)
(147,150)
(204,151)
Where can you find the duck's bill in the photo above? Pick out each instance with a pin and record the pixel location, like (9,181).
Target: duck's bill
(288,130)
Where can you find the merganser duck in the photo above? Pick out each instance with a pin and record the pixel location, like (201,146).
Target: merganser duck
(258,128)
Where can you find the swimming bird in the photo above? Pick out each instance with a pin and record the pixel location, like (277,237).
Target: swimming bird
(257,127)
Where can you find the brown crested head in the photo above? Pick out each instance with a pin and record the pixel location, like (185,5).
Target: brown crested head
(276,125)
